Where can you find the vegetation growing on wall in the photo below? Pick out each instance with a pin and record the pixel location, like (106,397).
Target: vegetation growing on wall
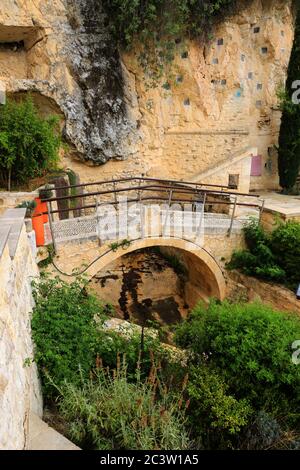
(162,24)
(29,144)
(289,138)
(271,256)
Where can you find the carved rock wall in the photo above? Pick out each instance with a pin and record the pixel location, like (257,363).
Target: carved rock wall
(221,102)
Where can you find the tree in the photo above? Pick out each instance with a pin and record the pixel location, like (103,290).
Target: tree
(289,138)
(29,144)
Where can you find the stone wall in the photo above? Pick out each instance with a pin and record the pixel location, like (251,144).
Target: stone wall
(9,200)
(19,385)
(278,297)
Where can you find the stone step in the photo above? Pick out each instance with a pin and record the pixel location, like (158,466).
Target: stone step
(43,437)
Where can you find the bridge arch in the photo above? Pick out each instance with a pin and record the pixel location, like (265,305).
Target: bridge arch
(205,276)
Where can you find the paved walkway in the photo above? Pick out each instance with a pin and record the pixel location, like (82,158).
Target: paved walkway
(286,205)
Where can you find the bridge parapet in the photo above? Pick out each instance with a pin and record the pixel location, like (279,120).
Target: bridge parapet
(146,222)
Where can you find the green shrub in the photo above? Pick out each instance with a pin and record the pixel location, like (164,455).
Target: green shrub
(214,414)
(285,243)
(274,257)
(289,138)
(255,235)
(250,347)
(68,333)
(29,144)
(112,412)
(263,432)
(64,330)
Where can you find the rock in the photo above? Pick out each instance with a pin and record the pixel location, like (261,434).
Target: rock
(224,100)
(75,62)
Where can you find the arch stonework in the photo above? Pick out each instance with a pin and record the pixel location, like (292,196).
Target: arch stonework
(199,262)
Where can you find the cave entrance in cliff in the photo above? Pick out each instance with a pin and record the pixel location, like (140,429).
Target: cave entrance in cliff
(156,285)
(15,44)
(46,106)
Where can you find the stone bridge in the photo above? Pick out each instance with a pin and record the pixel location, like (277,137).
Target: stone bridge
(182,227)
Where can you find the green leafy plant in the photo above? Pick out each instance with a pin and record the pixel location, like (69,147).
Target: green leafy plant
(289,137)
(214,413)
(113,412)
(249,346)
(123,244)
(285,243)
(68,331)
(29,206)
(274,256)
(46,192)
(64,330)
(29,144)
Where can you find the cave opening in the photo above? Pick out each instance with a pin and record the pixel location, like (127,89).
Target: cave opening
(15,44)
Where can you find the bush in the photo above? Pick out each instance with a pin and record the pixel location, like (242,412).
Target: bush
(289,138)
(250,347)
(112,412)
(29,144)
(285,242)
(214,414)
(64,330)
(67,332)
(263,432)
(274,257)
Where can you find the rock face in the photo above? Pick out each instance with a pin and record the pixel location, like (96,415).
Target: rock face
(221,102)
(64,52)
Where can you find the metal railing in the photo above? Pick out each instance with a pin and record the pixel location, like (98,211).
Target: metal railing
(148,190)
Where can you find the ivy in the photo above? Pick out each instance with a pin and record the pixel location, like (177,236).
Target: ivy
(162,25)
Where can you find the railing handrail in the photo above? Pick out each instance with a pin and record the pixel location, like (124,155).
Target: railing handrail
(176,189)
(159,180)
(153,198)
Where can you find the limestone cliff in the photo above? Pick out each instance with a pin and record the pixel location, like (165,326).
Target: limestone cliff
(222,102)
(62,49)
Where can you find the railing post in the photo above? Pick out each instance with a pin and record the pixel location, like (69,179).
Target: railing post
(202,215)
(167,214)
(232,218)
(142,218)
(261,210)
(97,222)
(115,194)
(51,228)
